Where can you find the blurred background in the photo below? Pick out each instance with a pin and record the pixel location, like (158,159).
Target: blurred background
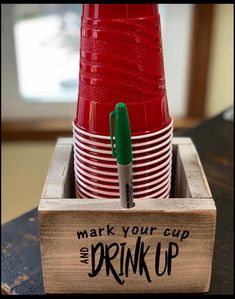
(40,66)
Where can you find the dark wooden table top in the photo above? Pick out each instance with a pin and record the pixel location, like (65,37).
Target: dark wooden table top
(21,263)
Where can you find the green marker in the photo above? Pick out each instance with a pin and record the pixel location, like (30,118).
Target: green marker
(123,153)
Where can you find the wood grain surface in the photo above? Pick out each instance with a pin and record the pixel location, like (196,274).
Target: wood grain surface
(61,219)
(20,256)
(66,272)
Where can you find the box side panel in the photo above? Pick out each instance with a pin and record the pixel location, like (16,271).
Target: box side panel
(190,179)
(86,251)
(181,187)
(59,181)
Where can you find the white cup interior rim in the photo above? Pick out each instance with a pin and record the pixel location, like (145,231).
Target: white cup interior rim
(79,195)
(157,132)
(98,157)
(167,187)
(100,172)
(136,186)
(110,193)
(156,194)
(115,180)
(109,152)
(78,157)
(134,145)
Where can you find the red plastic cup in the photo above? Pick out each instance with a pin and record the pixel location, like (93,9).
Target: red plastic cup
(105,190)
(96,194)
(138,171)
(121,60)
(112,161)
(143,149)
(117,11)
(95,181)
(80,195)
(135,143)
(137,179)
(113,165)
(106,138)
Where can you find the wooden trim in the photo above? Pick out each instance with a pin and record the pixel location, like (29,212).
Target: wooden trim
(201,44)
(186,122)
(52,129)
(36,129)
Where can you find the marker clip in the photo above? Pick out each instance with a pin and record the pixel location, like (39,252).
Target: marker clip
(112,115)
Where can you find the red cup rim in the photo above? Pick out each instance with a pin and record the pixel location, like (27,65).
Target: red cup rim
(140,151)
(134,137)
(116,194)
(134,145)
(115,179)
(114,166)
(118,11)
(116,186)
(115,174)
(147,190)
(79,195)
(113,160)
(79,189)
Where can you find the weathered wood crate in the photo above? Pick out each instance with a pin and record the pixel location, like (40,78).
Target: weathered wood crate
(159,246)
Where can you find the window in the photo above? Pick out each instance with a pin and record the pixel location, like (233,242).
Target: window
(40,59)
(47,50)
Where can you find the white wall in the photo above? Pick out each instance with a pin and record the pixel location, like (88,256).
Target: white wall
(221,65)
(176,35)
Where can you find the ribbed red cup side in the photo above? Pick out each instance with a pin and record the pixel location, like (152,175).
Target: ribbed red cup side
(121,60)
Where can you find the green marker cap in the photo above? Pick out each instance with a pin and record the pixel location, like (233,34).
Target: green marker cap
(122,150)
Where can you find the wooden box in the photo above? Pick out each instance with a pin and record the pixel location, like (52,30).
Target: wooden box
(159,246)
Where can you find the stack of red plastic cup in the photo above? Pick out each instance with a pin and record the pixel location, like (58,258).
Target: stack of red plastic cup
(121,60)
